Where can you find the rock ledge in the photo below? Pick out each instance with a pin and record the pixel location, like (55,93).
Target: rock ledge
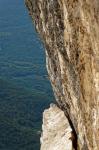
(57,133)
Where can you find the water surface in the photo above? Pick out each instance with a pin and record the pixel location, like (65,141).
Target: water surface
(24,88)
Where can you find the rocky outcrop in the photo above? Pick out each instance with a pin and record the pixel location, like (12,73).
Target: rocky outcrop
(70,32)
(57,133)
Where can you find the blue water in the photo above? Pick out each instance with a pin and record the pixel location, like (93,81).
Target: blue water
(24,87)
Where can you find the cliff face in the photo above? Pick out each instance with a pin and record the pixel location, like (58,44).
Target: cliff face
(70,32)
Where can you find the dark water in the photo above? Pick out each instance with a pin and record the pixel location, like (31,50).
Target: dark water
(24,88)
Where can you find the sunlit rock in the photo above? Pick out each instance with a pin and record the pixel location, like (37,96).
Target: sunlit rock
(70,32)
(57,133)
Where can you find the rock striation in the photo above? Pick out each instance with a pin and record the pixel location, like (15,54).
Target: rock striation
(70,32)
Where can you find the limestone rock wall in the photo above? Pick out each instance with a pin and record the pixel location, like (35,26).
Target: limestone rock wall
(70,32)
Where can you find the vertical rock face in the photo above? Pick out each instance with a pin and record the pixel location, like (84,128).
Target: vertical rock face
(70,32)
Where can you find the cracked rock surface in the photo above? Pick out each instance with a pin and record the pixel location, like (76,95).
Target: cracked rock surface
(70,32)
